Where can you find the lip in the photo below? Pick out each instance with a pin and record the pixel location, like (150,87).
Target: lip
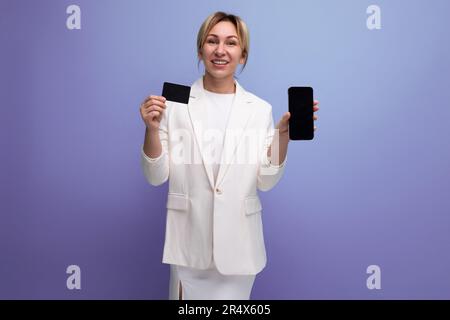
(220,66)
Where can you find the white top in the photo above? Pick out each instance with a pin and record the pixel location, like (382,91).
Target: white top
(218,112)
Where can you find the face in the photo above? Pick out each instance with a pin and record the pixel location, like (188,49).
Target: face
(221,52)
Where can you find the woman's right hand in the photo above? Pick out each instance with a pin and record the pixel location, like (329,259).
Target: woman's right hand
(152,110)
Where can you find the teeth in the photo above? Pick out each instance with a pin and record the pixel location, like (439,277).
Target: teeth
(219,62)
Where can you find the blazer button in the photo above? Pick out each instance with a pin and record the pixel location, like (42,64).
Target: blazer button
(218,191)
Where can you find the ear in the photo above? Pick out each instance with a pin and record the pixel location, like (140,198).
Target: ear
(242,59)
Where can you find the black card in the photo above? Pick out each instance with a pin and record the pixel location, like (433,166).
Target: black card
(176,92)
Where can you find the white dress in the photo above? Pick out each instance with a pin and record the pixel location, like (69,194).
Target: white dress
(210,284)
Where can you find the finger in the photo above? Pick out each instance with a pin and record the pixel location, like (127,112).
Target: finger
(153,97)
(160,98)
(315,128)
(315,117)
(154,108)
(154,103)
(315,108)
(316,102)
(154,114)
(148,98)
(284,121)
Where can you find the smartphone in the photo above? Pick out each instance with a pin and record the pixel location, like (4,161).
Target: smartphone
(301,122)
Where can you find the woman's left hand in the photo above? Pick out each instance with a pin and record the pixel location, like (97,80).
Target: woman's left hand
(283,124)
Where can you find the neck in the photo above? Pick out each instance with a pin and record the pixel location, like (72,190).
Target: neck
(225,85)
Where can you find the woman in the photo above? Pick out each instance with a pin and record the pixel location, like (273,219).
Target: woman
(216,152)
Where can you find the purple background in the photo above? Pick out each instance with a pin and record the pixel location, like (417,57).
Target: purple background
(371,188)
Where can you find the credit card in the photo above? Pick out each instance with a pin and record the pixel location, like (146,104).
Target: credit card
(176,92)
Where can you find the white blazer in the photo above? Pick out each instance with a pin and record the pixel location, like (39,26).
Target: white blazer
(222,218)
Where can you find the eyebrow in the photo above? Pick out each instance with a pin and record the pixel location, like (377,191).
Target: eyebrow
(215,35)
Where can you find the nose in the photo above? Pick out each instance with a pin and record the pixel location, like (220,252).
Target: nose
(220,50)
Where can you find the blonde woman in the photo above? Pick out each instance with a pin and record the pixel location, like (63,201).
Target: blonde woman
(216,152)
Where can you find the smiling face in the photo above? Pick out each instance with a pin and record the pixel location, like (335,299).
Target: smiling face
(221,52)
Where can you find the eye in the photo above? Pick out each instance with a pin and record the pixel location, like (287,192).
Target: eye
(232,43)
(211,40)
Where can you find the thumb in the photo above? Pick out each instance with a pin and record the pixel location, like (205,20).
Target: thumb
(286,116)
(284,120)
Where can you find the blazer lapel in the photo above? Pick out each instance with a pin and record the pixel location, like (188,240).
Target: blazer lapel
(198,118)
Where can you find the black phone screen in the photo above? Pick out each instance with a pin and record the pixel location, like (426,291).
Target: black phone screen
(301,124)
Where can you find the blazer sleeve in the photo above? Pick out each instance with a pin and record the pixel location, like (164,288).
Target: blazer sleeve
(268,173)
(156,170)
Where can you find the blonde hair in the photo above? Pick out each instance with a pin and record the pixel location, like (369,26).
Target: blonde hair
(241,28)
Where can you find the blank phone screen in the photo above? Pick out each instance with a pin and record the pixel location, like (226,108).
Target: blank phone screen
(301,124)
